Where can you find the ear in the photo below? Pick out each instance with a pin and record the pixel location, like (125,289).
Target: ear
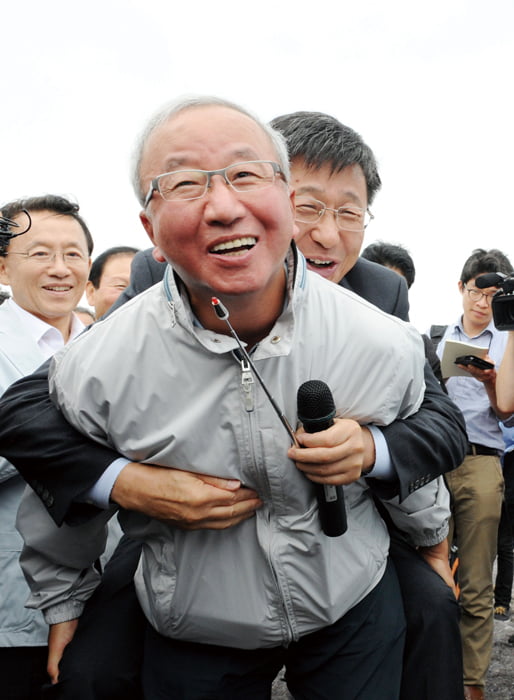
(4,276)
(461,287)
(296,228)
(148,226)
(292,199)
(90,293)
(157,254)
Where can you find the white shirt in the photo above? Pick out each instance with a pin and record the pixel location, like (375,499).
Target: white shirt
(48,338)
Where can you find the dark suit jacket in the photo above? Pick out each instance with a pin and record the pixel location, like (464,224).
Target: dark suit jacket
(61,464)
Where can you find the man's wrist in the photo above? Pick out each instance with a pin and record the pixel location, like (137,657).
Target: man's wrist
(100,493)
(382,466)
(129,486)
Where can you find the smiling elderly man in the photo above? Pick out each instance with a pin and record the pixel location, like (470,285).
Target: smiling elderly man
(265,587)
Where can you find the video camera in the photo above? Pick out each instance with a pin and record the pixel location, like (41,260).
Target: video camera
(503,300)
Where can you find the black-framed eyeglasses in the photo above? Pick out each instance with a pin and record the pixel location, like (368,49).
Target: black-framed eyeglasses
(477,295)
(183,185)
(348,218)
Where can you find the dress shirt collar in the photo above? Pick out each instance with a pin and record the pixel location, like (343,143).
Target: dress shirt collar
(47,337)
(488,330)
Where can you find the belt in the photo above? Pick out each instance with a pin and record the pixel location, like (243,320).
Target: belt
(474,449)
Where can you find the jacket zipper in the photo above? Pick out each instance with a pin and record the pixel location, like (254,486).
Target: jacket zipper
(247,386)
(247,382)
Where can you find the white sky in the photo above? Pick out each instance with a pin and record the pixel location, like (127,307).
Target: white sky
(429,86)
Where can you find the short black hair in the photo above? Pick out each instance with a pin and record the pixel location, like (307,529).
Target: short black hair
(392,255)
(47,202)
(481,261)
(99,263)
(319,139)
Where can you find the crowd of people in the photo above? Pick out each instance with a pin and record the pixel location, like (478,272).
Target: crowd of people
(176,414)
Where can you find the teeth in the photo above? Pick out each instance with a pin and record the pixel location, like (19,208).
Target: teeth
(58,289)
(320,263)
(236,243)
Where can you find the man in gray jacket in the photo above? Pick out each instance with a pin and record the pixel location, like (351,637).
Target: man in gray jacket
(266,587)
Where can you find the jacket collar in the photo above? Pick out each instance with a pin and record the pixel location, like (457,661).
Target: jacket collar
(279,340)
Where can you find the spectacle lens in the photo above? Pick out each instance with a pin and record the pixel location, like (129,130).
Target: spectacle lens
(45,257)
(477,295)
(348,218)
(193,184)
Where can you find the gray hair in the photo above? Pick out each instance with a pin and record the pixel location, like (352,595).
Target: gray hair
(173,108)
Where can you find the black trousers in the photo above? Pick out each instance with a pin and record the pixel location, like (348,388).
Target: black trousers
(22,672)
(505,558)
(104,659)
(356,658)
(432,663)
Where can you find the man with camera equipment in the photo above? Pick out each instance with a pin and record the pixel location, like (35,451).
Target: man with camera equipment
(503,312)
(476,486)
(503,316)
(505,378)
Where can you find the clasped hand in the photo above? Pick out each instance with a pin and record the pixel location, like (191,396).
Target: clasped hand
(336,456)
(196,501)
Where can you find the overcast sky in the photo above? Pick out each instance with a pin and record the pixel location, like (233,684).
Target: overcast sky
(429,87)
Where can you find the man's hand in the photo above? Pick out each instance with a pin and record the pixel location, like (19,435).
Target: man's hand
(486,376)
(59,636)
(190,501)
(437,557)
(335,456)
(488,379)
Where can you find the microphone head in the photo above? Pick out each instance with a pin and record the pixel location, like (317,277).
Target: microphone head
(314,400)
(490,279)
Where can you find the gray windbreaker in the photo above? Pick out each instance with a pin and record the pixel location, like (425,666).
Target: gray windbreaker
(159,388)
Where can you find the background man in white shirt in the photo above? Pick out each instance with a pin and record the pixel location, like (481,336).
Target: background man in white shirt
(47,269)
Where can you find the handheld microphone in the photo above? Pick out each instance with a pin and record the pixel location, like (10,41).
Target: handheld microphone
(490,279)
(316,411)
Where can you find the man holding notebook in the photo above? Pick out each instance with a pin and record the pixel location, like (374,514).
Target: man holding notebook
(476,486)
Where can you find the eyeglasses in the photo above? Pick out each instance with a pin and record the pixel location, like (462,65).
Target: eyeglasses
(44,257)
(193,184)
(477,295)
(348,218)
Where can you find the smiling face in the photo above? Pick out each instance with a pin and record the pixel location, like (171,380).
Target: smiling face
(329,250)
(226,243)
(114,279)
(49,290)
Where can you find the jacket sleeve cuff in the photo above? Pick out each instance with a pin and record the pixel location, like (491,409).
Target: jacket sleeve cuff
(63,612)
(430,538)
